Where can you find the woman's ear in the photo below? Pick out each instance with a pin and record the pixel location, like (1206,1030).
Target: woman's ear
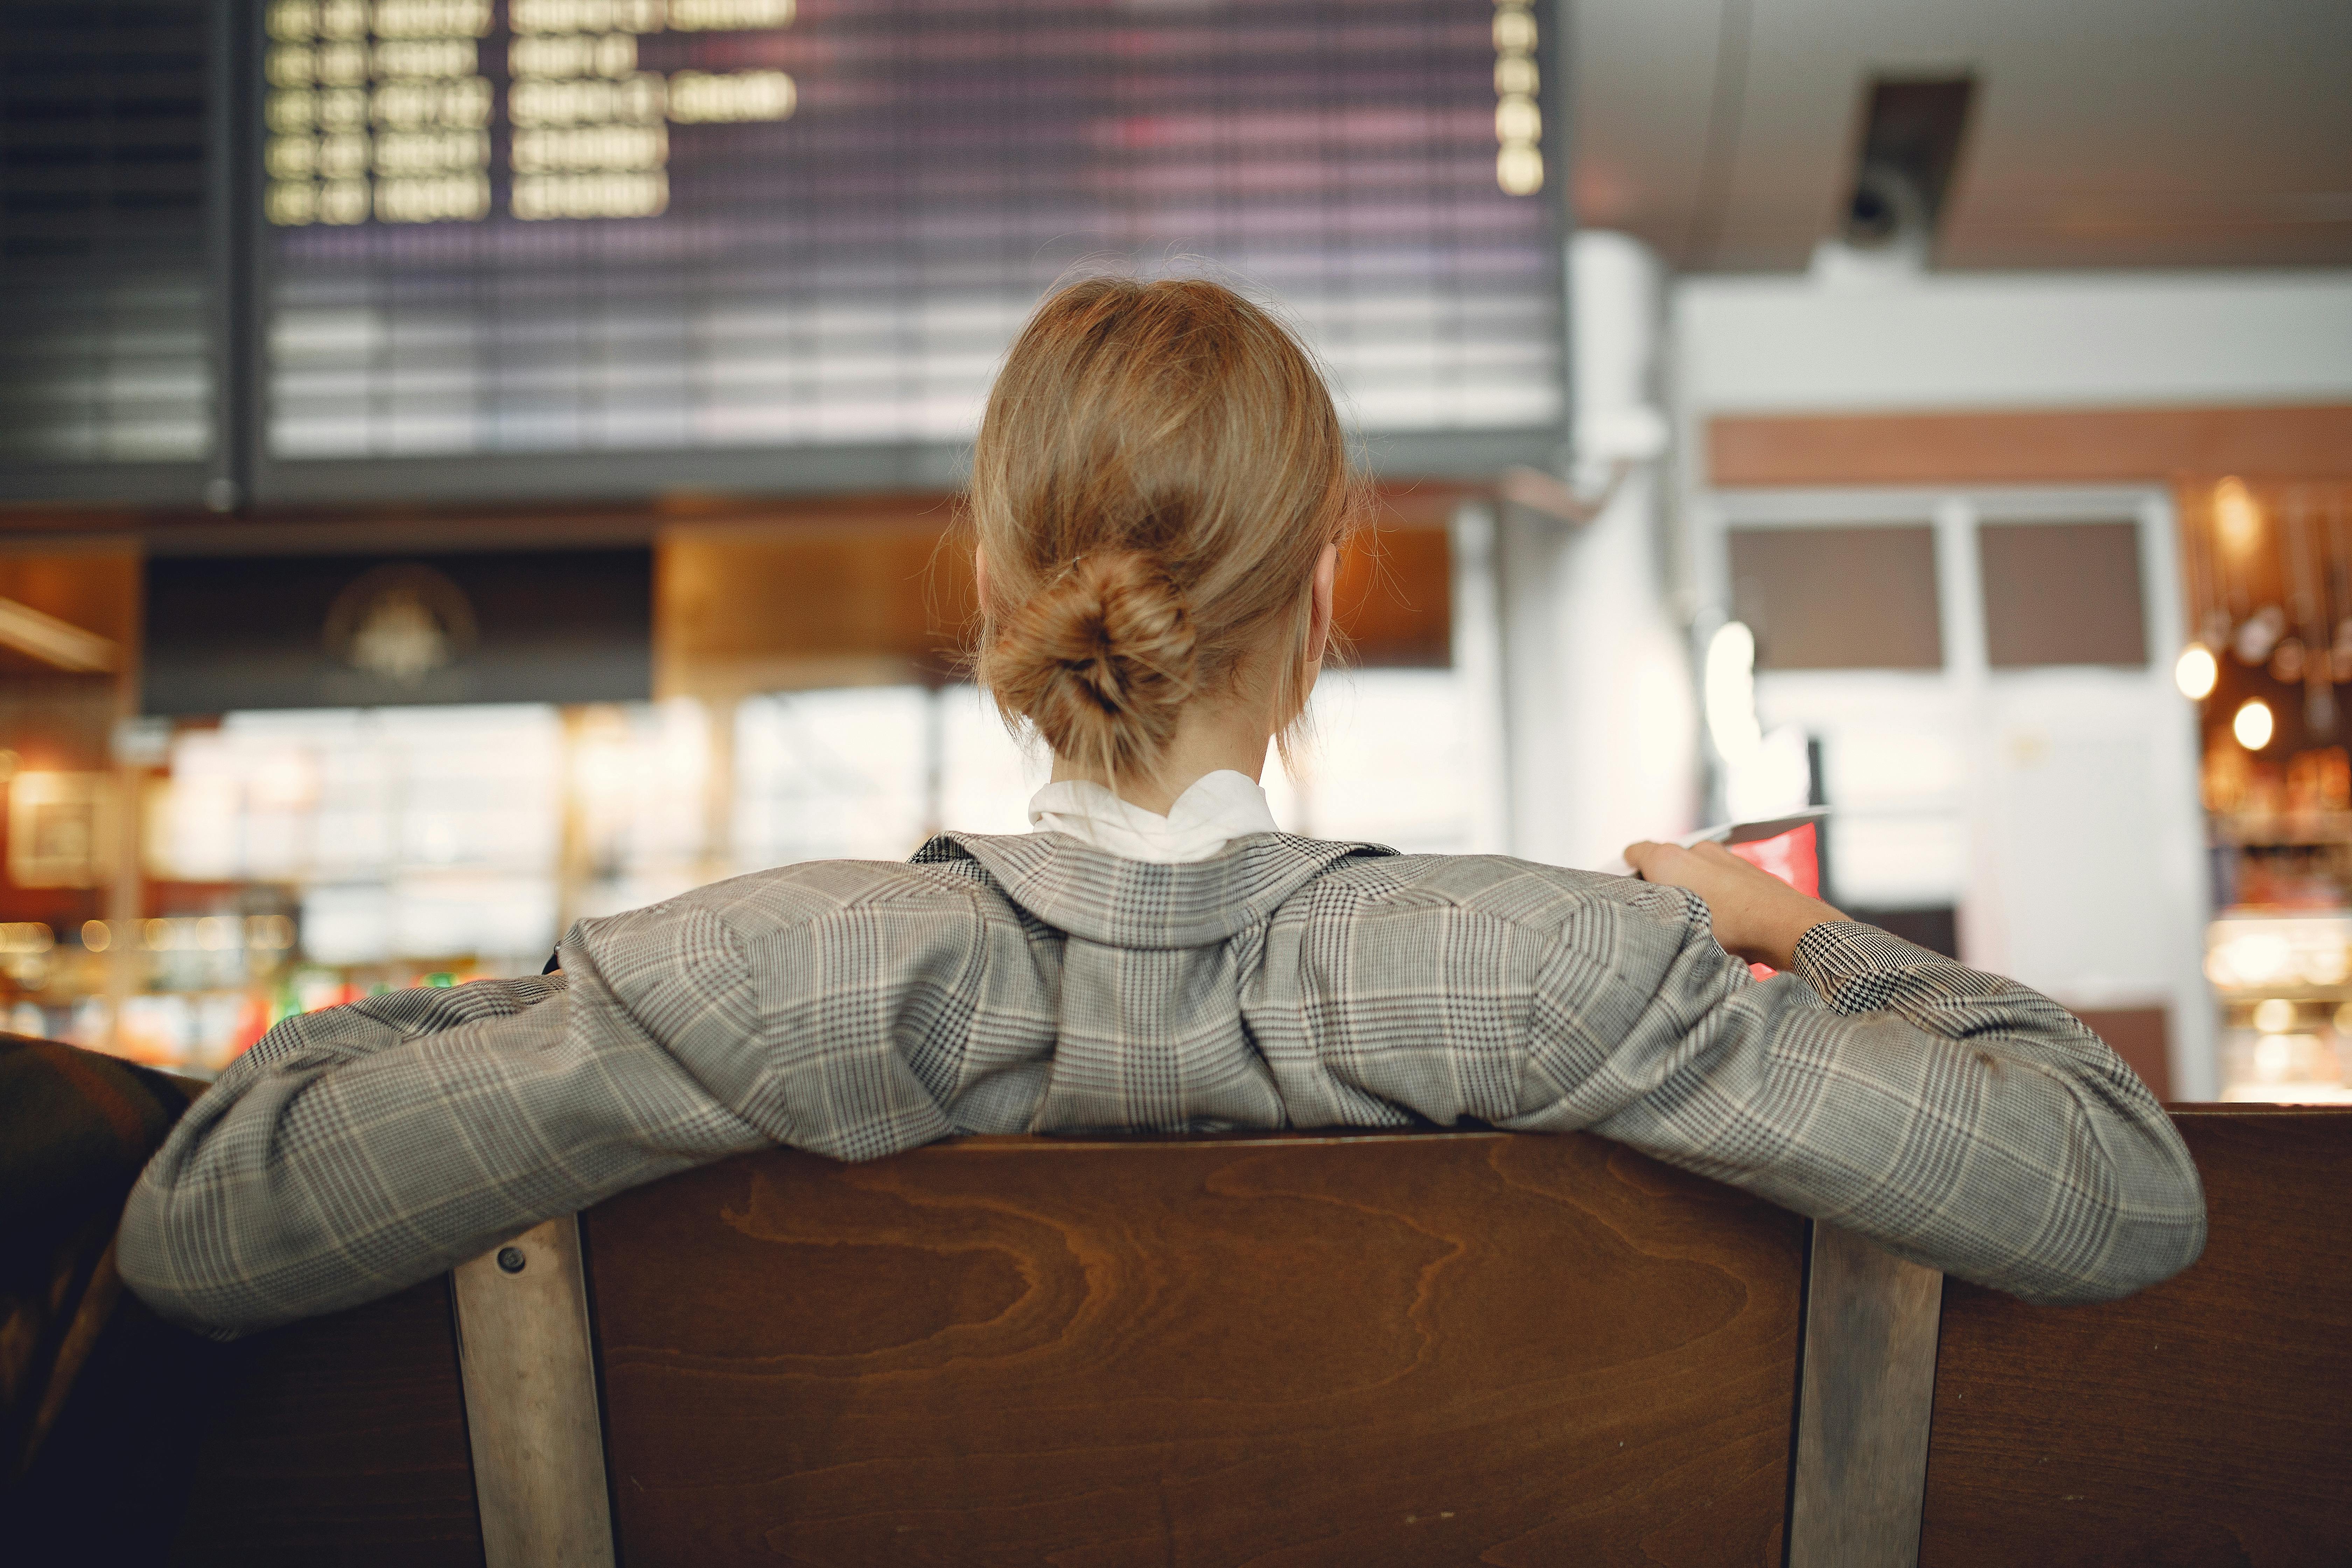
(1318,615)
(979,574)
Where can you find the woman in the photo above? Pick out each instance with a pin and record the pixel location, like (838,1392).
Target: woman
(1158,488)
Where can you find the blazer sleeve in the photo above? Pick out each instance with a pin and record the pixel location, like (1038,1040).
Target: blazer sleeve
(360,1149)
(1958,1119)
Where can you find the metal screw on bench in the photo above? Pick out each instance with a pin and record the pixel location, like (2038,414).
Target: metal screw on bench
(511,1259)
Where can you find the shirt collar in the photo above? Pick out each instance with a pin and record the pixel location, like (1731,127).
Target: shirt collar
(1215,810)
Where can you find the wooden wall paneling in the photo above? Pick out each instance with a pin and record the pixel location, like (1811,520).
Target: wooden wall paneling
(744,609)
(92,590)
(2206,1421)
(344,1444)
(56,720)
(1394,597)
(2058,446)
(1368,1350)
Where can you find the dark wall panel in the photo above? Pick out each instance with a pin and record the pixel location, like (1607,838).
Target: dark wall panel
(1839,598)
(333,631)
(2062,592)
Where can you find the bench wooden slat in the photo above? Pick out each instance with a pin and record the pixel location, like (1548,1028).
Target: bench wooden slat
(1366,1350)
(343,1443)
(2208,1420)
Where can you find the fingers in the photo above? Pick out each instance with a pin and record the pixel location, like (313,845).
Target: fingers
(1697,865)
(1676,863)
(1666,863)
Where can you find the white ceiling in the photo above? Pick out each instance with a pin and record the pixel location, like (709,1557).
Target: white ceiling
(2105,132)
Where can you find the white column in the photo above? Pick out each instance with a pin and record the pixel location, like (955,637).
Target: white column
(1478,660)
(1604,719)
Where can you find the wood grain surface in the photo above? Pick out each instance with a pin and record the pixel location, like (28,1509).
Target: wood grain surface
(741,608)
(2206,1421)
(344,1444)
(2045,446)
(1436,1348)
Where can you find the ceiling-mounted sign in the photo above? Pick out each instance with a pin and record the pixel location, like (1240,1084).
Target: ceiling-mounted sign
(344,631)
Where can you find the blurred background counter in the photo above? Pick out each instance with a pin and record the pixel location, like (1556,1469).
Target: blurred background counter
(750,693)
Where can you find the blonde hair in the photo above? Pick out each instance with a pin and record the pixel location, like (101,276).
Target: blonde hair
(1157,474)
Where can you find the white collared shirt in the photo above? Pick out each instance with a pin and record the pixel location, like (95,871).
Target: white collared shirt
(1214,810)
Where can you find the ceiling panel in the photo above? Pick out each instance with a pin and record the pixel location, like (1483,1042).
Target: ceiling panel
(2107,133)
(1644,78)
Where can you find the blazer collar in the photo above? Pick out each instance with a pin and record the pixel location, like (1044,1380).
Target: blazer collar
(1103,897)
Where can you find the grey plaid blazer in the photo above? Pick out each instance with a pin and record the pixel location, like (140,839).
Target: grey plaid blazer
(1034,984)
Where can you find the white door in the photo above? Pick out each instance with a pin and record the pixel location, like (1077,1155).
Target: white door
(2054,807)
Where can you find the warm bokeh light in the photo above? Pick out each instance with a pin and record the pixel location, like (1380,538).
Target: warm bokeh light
(26,937)
(2254,725)
(2274,1015)
(2195,671)
(2237,521)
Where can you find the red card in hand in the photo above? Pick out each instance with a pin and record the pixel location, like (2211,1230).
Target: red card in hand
(1795,857)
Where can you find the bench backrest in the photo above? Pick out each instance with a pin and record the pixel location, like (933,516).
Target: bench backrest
(1421,1348)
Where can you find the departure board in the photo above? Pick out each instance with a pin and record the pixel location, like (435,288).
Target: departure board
(598,226)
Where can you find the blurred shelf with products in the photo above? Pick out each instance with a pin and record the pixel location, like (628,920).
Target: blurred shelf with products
(176,882)
(2286,984)
(2267,570)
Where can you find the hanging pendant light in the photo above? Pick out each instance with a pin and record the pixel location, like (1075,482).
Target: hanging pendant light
(2253,726)
(2195,671)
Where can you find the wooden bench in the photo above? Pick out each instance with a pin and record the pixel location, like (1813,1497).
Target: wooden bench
(1360,1349)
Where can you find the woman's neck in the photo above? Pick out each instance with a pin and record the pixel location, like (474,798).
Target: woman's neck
(1209,739)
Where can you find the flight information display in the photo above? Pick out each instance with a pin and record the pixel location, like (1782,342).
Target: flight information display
(543,227)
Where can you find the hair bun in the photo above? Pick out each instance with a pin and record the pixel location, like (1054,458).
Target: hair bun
(1100,659)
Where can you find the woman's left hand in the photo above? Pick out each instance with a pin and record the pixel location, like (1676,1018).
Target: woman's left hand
(1756,915)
